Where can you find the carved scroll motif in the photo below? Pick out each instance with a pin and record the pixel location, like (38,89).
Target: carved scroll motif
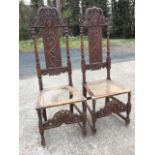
(113,106)
(63,116)
(48,20)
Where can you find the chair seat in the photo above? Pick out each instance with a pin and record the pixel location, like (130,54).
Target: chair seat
(59,96)
(104,88)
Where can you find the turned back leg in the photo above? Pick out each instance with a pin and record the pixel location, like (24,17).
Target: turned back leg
(128,109)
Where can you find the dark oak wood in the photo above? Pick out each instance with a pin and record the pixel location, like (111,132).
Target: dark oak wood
(51,27)
(94,23)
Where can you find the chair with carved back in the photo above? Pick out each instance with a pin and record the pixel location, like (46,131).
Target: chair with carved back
(51,25)
(94,24)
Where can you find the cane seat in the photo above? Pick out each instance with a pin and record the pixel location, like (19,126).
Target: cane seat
(104,88)
(57,96)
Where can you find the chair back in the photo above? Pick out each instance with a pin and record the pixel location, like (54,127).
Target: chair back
(94,23)
(52,28)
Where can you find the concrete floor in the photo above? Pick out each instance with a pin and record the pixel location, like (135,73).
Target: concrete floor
(112,137)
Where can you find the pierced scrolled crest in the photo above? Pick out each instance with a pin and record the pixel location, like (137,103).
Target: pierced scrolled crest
(48,16)
(94,17)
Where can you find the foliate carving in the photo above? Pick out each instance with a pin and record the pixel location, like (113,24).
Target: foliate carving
(49,19)
(51,46)
(63,116)
(48,16)
(50,23)
(113,106)
(95,66)
(94,17)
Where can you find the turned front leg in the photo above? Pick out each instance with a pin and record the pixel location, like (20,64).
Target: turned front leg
(94,116)
(71,105)
(41,130)
(107,100)
(84,118)
(44,114)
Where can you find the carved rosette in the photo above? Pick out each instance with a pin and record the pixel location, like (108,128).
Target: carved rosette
(111,107)
(63,116)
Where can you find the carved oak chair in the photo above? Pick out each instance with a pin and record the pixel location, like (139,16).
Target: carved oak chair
(51,26)
(94,23)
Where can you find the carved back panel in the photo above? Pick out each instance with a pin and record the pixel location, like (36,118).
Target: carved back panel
(51,26)
(48,20)
(93,20)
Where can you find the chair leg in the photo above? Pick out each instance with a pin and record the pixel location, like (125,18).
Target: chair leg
(41,130)
(106,100)
(94,116)
(71,105)
(71,108)
(84,118)
(44,115)
(128,109)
